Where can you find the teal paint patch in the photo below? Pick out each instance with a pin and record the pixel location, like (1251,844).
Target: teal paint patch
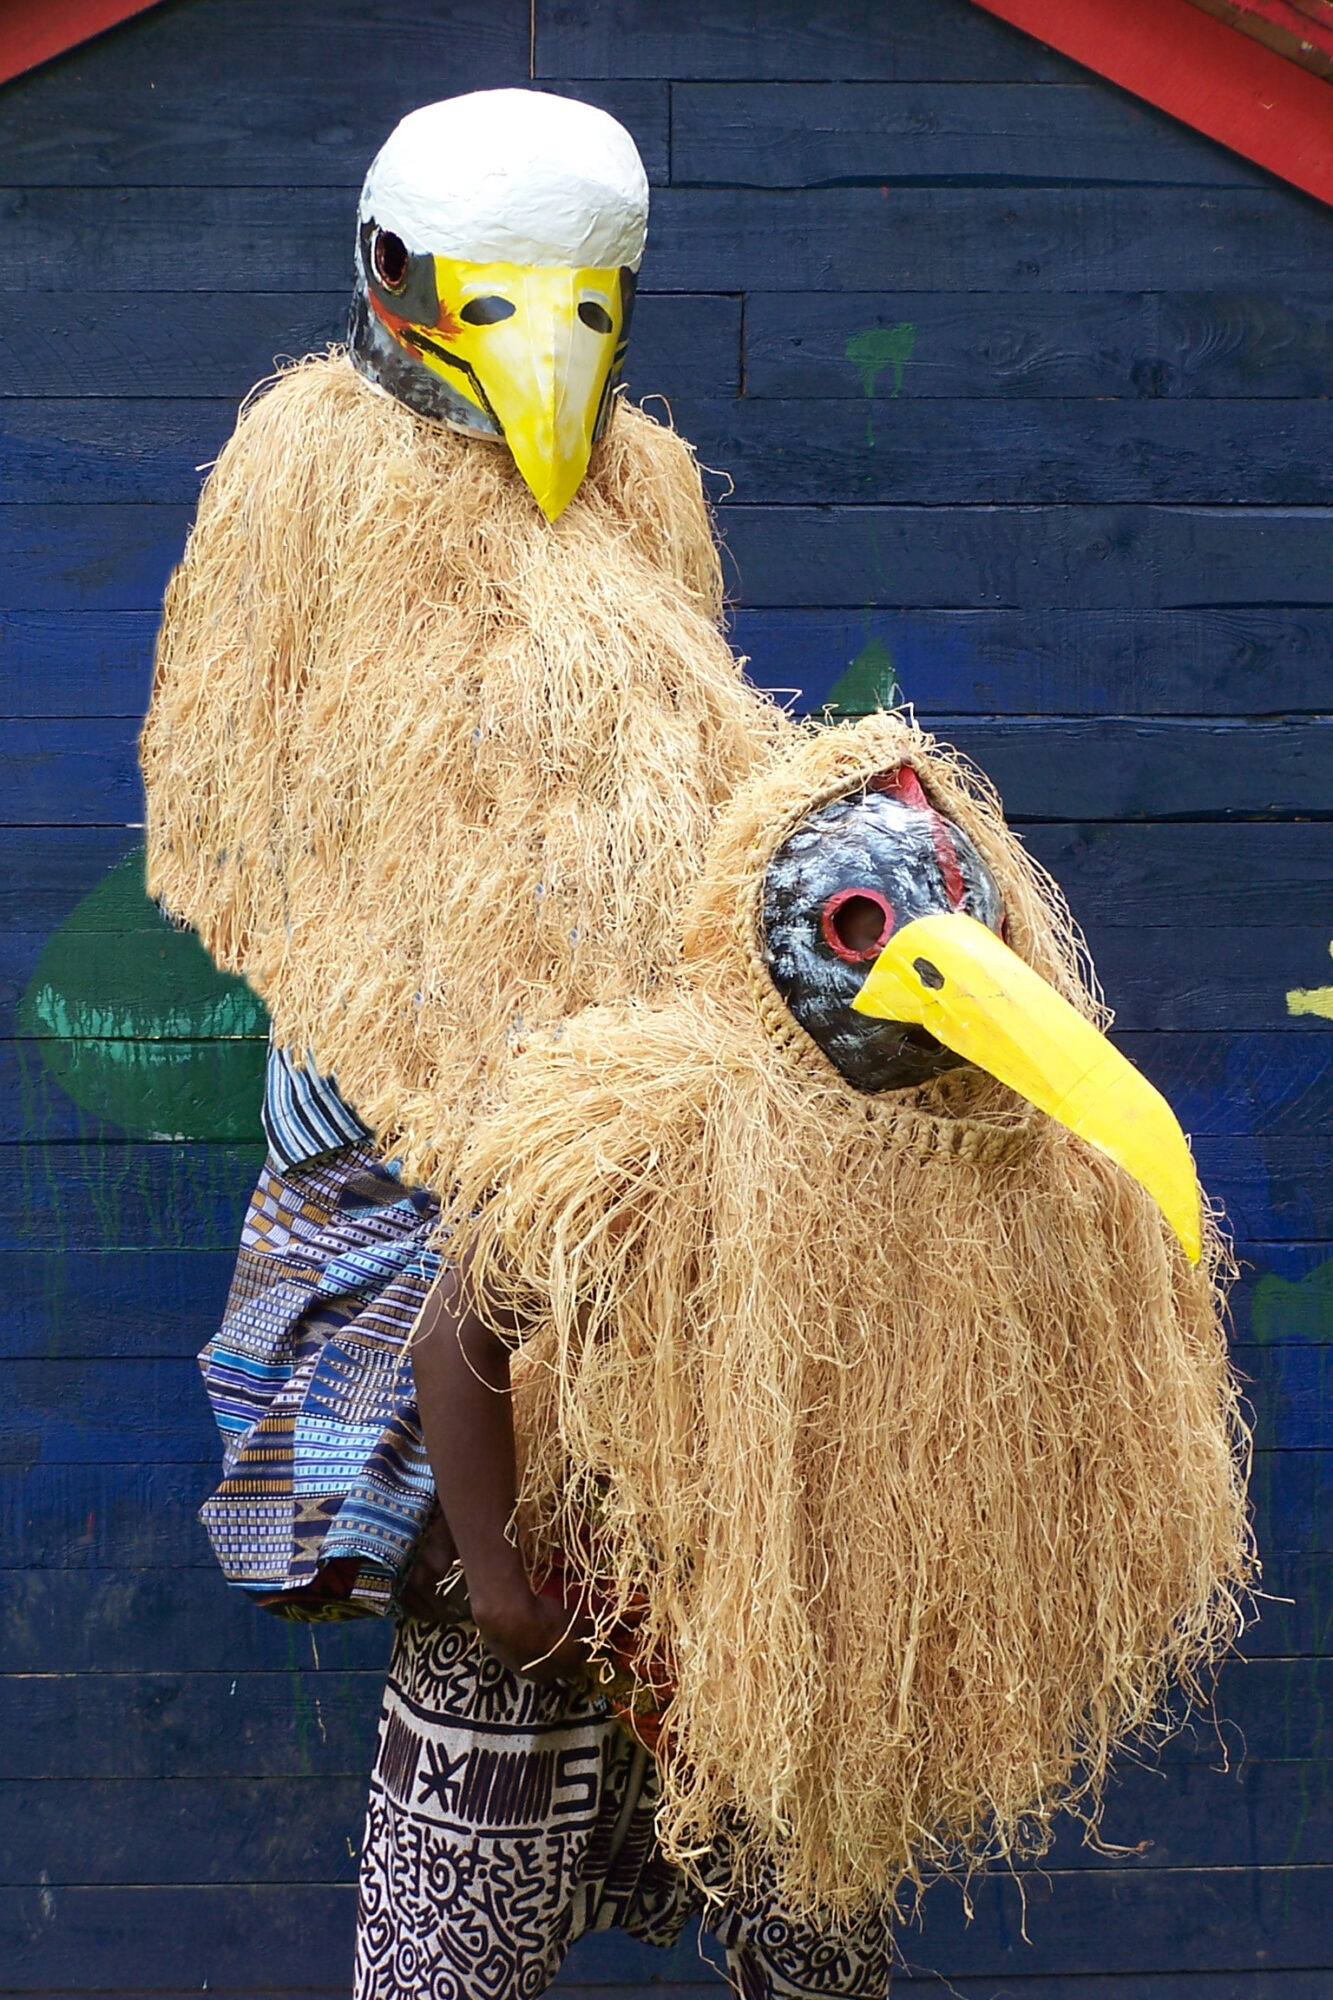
(135,1023)
(870,682)
(1285,1310)
(873,350)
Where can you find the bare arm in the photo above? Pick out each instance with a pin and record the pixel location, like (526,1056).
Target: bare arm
(461,1365)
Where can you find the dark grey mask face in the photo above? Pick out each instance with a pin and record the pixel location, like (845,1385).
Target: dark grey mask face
(823,892)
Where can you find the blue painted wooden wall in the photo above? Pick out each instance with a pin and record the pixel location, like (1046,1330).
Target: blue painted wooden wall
(1023,393)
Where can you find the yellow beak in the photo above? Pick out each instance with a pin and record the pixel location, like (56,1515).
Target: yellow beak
(535,347)
(952,976)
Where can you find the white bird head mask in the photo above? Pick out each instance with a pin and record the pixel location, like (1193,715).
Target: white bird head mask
(499,238)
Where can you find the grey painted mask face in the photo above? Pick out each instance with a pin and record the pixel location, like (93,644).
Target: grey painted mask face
(834,893)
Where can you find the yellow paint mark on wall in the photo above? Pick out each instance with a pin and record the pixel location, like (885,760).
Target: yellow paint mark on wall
(1312,999)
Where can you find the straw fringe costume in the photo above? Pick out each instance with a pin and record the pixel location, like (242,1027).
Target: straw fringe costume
(898,1422)
(886,1414)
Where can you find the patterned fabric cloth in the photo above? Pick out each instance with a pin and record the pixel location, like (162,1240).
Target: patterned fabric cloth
(506,1819)
(326,1484)
(303,1114)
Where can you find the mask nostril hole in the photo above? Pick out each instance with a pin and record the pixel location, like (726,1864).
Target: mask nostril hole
(488,311)
(857,924)
(595,316)
(929,975)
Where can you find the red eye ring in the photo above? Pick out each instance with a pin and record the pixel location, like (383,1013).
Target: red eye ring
(389,256)
(828,924)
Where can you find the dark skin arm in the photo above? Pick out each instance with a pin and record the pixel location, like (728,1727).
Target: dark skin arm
(461,1365)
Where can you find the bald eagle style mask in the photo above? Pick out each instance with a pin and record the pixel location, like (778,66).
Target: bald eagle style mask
(499,239)
(895,1417)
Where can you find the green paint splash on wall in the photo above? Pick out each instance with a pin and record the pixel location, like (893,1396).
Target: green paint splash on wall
(873,350)
(870,682)
(1294,1310)
(134,1021)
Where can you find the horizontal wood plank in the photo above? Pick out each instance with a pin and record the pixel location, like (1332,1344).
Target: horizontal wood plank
(307,1722)
(127,1197)
(79,1303)
(299,1723)
(800,135)
(1240,662)
(1148,878)
(148,1832)
(67,663)
(142,1832)
(202,1090)
(1237,662)
(219,344)
(74,1621)
(141,121)
(928,451)
(89,1305)
(964,558)
(1031,345)
(89,558)
(100,1516)
(130,106)
(934,452)
(68,772)
(1080,1921)
(1218,1083)
(118,557)
(118,1621)
(136,1196)
(832,240)
(782,38)
(128,1412)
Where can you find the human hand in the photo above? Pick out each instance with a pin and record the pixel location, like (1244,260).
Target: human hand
(533,1633)
(427,1593)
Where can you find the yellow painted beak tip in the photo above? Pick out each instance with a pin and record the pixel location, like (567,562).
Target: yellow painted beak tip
(952,976)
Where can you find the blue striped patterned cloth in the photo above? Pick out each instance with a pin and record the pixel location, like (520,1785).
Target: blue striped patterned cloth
(304,1117)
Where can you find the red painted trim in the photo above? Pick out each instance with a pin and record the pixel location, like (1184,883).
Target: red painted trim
(1206,74)
(32,31)
(1299,29)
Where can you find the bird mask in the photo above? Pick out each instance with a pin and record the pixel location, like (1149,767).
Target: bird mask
(883,932)
(863,1374)
(499,237)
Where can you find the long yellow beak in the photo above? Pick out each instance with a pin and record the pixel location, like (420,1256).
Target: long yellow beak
(952,976)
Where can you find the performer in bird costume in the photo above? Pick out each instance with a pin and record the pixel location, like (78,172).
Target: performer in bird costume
(442,718)
(868,1425)
(869,1362)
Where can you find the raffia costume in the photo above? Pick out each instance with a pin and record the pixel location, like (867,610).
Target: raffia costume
(898,1422)
(880,1408)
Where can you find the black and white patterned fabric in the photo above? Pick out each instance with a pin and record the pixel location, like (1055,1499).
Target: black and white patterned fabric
(506,1819)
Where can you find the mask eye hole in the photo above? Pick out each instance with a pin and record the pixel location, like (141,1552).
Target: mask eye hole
(390,260)
(856,924)
(595,316)
(486,312)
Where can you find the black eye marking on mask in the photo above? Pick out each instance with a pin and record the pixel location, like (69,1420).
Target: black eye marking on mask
(929,975)
(486,312)
(595,316)
(390,259)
